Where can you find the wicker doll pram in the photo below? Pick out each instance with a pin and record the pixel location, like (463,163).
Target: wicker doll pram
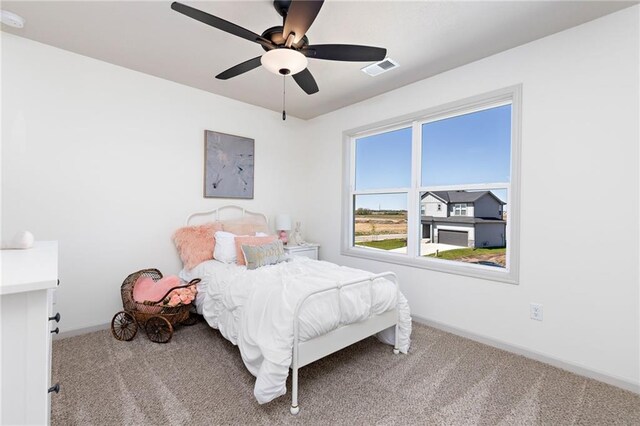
(157,320)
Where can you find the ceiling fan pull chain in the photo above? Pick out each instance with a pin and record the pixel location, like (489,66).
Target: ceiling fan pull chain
(284,91)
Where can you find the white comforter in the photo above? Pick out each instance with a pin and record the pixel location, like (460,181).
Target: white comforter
(254,309)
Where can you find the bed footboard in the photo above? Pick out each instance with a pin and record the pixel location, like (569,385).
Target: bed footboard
(305,353)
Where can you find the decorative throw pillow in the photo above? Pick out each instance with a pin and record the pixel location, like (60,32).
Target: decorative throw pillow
(247,225)
(268,254)
(145,289)
(250,241)
(195,244)
(225,250)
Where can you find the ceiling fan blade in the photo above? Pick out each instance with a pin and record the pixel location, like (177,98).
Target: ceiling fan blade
(306,81)
(220,24)
(240,69)
(345,52)
(300,16)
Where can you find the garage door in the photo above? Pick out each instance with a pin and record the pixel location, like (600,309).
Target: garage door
(456,238)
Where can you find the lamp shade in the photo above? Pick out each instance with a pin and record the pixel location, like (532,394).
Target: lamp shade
(283,222)
(284,61)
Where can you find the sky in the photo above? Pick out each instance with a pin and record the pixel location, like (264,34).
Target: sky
(466,149)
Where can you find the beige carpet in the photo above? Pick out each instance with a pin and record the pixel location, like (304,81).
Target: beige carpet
(198,379)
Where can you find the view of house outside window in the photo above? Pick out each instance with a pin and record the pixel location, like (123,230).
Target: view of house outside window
(459,196)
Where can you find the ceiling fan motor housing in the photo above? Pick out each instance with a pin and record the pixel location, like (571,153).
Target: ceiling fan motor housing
(275,35)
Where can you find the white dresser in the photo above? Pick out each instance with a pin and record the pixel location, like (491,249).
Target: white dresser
(29,278)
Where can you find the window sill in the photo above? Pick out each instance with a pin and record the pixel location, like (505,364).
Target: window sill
(447,266)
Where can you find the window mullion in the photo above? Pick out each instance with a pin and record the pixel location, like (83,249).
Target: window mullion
(413,202)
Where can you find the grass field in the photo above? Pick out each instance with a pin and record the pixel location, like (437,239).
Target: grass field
(496,255)
(384,244)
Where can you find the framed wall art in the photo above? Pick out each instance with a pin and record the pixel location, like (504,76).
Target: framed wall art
(228,165)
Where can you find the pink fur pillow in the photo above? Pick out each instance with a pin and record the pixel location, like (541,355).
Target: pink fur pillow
(195,244)
(250,241)
(247,225)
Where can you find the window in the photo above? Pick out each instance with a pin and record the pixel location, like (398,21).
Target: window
(459,209)
(462,156)
(382,180)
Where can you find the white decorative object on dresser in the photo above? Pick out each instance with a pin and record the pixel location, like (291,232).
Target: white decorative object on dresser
(29,278)
(307,250)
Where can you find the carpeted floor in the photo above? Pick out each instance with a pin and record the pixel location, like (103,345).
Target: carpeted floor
(198,379)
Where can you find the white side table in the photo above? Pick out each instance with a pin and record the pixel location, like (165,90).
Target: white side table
(308,250)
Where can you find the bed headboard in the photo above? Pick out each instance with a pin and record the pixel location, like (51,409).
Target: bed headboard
(222,213)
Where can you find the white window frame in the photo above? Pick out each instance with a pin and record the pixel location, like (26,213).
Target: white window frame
(509,274)
(460,209)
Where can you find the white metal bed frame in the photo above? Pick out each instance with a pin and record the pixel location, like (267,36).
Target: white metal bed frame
(304,353)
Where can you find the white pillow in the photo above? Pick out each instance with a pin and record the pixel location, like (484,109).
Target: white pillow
(225,249)
(261,234)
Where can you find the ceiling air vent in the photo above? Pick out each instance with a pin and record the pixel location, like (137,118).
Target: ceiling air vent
(379,67)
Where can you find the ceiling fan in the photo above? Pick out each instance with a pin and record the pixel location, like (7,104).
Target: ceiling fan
(287,47)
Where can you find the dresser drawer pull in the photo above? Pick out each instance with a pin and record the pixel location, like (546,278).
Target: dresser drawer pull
(57,330)
(58,283)
(56,317)
(55,388)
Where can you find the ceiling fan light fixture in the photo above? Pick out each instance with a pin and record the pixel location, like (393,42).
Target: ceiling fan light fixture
(284,61)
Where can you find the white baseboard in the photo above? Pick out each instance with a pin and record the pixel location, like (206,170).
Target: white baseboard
(80,331)
(562,364)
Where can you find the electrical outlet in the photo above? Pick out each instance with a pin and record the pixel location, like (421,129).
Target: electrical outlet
(536,311)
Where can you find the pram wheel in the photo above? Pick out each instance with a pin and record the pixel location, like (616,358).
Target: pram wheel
(159,329)
(191,319)
(123,326)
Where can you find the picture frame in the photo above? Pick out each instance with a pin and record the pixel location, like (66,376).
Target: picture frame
(228,165)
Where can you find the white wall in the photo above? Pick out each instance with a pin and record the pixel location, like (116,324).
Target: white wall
(110,162)
(579,148)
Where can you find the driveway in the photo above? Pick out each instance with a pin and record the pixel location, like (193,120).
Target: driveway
(428,248)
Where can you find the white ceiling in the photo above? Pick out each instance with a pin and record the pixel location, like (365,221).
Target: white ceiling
(425,37)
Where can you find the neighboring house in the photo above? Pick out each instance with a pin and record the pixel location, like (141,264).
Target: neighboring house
(463,218)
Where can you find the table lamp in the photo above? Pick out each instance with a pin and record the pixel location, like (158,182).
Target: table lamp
(283,224)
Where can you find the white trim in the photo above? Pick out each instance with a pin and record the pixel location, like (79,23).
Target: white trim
(537,356)
(466,108)
(384,128)
(490,273)
(469,186)
(380,191)
(509,95)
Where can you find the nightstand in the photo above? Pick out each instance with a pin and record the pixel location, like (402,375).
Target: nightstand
(308,250)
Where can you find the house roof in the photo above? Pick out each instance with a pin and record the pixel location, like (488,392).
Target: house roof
(462,196)
(461,219)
